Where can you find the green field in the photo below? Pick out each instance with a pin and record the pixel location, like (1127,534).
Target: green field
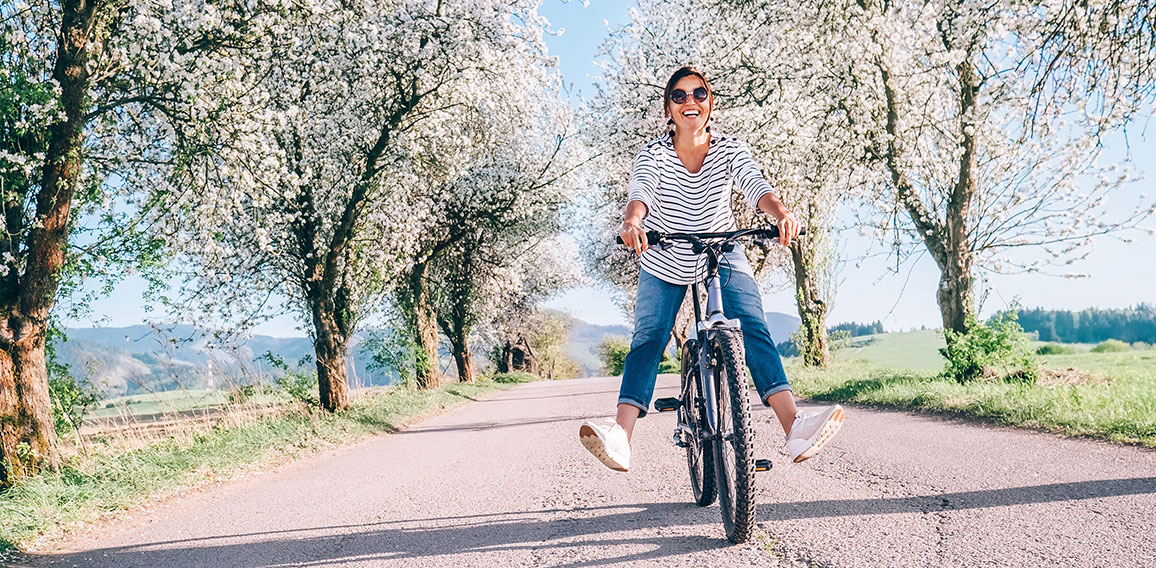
(911,350)
(167,402)
(1112,396)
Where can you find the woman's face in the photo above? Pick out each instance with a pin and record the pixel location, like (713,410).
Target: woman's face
(692,114)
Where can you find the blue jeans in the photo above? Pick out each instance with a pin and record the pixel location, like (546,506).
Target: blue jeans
(655,310)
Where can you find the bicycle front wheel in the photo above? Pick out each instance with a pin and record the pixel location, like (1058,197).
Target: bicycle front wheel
(734,450)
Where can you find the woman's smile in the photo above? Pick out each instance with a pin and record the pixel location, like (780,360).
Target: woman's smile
(689,105)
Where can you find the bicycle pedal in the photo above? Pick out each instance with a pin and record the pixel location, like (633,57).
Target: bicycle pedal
(667,404)
(762,465)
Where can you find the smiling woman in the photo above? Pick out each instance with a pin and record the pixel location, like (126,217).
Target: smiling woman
(682,182)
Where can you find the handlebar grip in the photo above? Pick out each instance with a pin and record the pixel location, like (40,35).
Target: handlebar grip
(651,238)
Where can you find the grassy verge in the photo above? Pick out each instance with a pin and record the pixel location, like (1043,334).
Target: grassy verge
(107,480)
(1121,407)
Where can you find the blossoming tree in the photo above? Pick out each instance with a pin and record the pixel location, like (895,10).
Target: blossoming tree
(90,90)
(359,119)
(986,120)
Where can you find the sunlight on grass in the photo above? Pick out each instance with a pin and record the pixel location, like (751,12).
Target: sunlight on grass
(1119,406)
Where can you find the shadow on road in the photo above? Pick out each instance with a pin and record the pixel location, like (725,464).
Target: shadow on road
(478,426)
(553,532)
(546,531)
(1006,497)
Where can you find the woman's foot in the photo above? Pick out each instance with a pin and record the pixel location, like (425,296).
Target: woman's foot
(607,441)
(809,433)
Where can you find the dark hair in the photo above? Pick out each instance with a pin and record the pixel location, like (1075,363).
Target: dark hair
(678,75)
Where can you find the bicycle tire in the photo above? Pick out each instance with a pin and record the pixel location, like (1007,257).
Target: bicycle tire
(699,452)
(734,451)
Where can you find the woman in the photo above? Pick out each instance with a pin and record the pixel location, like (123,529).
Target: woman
(682,183)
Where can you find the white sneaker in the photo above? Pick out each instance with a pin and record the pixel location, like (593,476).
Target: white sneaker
(810,432)
(607,441)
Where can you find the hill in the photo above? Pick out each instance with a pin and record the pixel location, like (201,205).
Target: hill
(139,359)
(914,350)
(582,346)
(782,326)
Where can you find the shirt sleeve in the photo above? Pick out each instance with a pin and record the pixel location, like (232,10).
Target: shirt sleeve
(643,179)
(748,176)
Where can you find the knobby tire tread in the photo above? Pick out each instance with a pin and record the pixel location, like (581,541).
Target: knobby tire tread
(739,516)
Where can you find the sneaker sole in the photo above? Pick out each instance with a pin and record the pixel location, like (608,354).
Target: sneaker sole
(595,445)
(829,430)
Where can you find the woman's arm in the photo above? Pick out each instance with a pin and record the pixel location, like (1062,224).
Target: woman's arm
(632,234)
(639,196)
(788,225)
(760,193)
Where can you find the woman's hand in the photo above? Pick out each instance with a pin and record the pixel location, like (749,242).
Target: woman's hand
(633,236)
(788,228)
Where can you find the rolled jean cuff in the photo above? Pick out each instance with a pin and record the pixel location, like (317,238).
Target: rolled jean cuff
(775,389)
(632,402)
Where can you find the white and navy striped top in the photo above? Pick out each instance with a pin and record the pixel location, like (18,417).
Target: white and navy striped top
(679,201)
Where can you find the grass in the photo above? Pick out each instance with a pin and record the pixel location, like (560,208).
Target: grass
(1118,405)
(108,480)
(911,350)
(164,402)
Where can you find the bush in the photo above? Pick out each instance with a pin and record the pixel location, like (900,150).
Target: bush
(670,364)
(298,384)
(1111,346)
(71,399)
(1054,349)
(996,348)
(514,377)
(1141,346)
(839,339)
(242,394)
(613,352)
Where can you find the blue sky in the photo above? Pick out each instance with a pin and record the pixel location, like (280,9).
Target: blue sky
(1122,274)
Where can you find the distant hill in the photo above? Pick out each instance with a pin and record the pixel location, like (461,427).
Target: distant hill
(914,350)
(135,359)
(782,326)
(584,341)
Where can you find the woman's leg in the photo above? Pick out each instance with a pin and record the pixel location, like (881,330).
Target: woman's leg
(655,309)
(742,301)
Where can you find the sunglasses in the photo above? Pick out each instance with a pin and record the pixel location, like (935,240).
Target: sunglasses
(678,96)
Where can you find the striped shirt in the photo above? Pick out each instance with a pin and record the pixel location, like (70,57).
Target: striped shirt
(679,201)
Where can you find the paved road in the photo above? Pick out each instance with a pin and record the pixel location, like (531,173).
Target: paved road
(504,482)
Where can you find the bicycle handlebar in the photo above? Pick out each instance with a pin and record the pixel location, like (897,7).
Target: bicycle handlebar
(653,237)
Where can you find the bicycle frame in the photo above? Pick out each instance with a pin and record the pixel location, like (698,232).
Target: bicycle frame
(715,319)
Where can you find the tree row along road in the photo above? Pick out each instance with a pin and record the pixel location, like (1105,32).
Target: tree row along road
(504,482)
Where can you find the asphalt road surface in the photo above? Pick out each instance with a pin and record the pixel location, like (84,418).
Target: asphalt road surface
(505,482)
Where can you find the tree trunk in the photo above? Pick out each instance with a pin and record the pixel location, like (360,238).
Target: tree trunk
(27,433)
(956,296)
(464,358)
(956,293)
(946,240)
(425,329)
(332,381)
(815,348)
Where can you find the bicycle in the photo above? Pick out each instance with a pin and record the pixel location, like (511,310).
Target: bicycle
(714,416)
